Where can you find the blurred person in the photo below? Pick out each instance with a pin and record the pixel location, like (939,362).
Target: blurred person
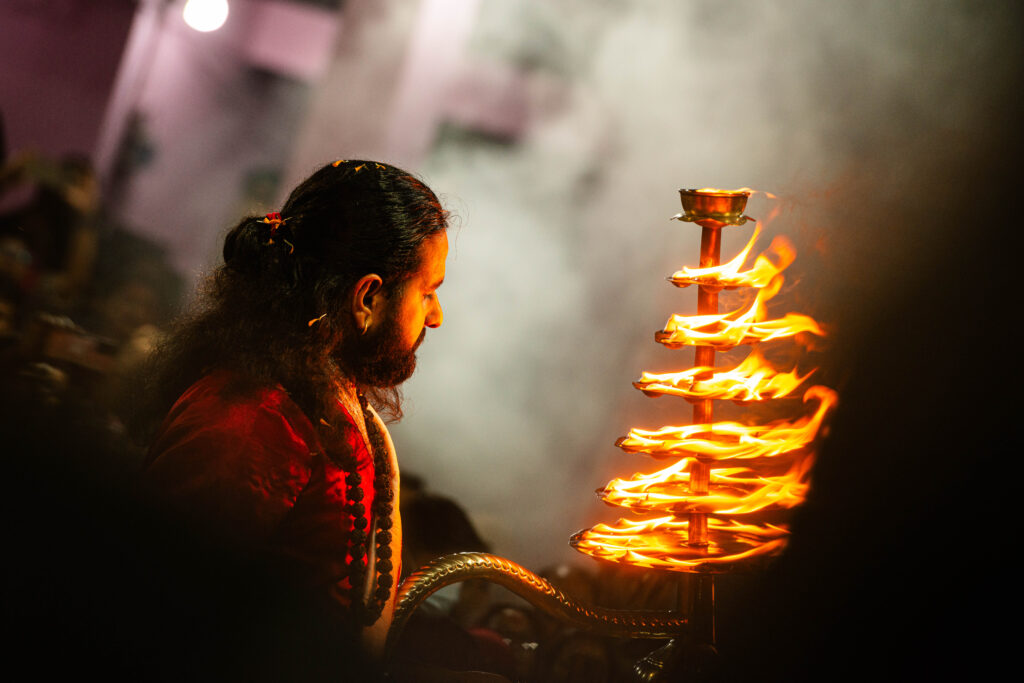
(128,312)
(435,526)
(521,628)
(577,657)
(126,307)
(412,487)
(135,285)
(18,277)
(102,342)
(16,261)
(10,306)
(271,440)
(58,222)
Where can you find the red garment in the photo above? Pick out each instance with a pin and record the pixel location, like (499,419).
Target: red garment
(249,466)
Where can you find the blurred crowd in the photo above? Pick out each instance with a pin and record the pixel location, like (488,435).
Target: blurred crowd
(82,298)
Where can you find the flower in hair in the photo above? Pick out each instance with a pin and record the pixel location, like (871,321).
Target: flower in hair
(275,221)
(379,166)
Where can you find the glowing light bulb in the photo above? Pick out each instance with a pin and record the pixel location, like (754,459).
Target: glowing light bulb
(205,15)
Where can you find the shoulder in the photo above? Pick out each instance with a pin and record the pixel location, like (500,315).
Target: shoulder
(219,408)
(242,455)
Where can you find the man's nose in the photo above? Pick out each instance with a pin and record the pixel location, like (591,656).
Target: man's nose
(435,316)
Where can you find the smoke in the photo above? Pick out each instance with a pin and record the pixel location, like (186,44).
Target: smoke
(861,116)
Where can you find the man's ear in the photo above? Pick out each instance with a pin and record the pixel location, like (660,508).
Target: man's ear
(368,301)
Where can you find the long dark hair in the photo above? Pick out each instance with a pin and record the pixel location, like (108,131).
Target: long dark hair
(254,317)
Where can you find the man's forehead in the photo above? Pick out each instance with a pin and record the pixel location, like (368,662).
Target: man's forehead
(434,252)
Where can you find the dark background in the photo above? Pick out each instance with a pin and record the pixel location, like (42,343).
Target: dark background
(890,132)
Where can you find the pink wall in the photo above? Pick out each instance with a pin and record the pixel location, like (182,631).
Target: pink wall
(58,60)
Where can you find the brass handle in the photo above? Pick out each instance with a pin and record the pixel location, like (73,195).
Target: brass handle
(538,592)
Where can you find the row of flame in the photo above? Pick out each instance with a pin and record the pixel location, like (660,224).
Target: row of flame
(777,454)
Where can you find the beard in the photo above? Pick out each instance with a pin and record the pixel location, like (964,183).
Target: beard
(379,359)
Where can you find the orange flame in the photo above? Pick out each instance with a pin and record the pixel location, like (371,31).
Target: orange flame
(733,491)
(724,331)
(661,543)
(752,380)
(772,261)
(718,190)
(739,191)
(728,440)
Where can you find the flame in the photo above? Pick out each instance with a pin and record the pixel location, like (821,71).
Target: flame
(732,491)
(769,263)
(724,331)
(752,380)
(730,440)
(748,190)
(661,543)
(715,190)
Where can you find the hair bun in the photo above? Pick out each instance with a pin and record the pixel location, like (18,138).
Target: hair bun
(242,244)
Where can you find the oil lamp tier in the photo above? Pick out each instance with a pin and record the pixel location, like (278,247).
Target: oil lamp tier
(752,380)
(731,491)
(655,544)
(713,208)
(720,441)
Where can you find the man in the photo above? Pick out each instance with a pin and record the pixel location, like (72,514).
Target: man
(271,441)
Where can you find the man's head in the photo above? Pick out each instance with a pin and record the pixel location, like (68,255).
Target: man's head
(392,321)
(360,248)
(343,280)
